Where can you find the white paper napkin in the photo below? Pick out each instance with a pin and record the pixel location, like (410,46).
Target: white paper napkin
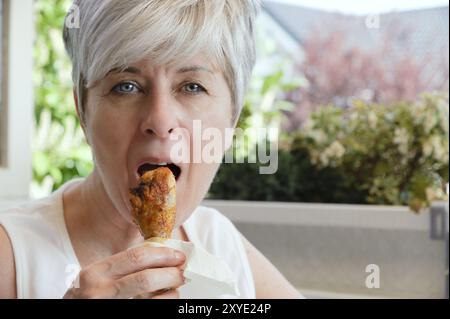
(208,276)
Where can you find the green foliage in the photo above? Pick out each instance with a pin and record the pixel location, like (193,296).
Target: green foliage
(52,77)
(397,153)
(377,154)
(296,180)
(264,104)
(60,152)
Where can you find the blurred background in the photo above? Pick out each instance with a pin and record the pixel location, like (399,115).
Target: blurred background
(359,93)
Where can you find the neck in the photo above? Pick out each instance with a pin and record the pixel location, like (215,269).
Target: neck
(96,228)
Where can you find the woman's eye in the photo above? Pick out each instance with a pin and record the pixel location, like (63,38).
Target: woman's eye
(126,87)
(193,88)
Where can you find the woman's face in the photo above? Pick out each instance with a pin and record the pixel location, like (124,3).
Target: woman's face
(139,115)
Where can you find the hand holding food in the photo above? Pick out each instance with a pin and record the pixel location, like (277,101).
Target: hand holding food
(152,272)
(143,270)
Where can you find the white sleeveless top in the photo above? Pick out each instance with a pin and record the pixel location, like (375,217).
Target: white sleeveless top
(46,263)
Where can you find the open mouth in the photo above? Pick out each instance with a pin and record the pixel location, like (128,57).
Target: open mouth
(176,171)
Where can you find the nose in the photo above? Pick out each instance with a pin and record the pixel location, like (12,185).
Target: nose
(160,115)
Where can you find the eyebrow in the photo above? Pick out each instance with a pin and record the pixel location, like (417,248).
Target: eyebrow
(194,68)
(129,69)
(135,70)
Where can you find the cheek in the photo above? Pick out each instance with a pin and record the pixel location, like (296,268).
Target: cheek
(110,134)
(215,110)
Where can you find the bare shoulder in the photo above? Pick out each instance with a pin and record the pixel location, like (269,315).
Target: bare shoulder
(269,282)
(7,267)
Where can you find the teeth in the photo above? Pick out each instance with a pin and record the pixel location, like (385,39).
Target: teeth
(159,164)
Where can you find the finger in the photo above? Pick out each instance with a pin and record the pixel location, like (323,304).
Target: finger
(139,258)
(149,281)
(169,294)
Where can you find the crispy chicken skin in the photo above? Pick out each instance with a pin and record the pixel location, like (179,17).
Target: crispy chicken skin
(154,203)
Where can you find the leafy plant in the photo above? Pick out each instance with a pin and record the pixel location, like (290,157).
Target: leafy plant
(395,154)
(296,180)
(60,152)
(398,153)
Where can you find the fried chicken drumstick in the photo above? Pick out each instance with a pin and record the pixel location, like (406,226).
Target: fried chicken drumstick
(154,203)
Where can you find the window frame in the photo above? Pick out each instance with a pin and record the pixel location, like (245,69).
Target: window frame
(4,24)
(15,176)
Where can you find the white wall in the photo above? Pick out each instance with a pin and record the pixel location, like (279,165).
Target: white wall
(15,178)
(324,249)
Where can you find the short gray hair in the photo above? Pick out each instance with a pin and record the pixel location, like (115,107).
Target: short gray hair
(115,33)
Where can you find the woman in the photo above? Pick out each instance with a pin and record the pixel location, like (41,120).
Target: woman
(143,71)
